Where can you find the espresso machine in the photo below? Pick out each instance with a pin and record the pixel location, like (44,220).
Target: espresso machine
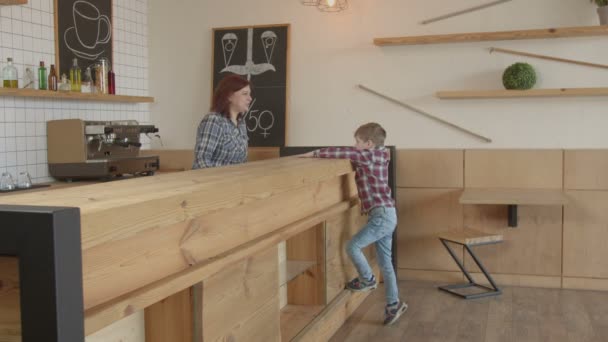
(80,149)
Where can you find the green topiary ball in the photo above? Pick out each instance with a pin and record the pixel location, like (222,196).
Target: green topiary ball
(520,76)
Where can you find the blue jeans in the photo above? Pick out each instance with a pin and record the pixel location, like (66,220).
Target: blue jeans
(381,224)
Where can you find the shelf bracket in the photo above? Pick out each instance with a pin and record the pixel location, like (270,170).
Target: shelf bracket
(512,215)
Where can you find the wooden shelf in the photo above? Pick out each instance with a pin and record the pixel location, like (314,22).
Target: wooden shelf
(34,93)
(513,196)
(13,2)
(293,269)
(502,93)
(562,32)
(295,317)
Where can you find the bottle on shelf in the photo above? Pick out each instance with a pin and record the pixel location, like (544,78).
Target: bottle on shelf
(111,82)
(75,76)
(29,79)
(87,82)
(52,80)
(9,74)
(42,76)
(64,84)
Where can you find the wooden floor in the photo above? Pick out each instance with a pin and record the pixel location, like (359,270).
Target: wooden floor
(519,314)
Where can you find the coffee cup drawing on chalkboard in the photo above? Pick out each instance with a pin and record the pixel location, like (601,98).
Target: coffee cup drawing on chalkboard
(91,31)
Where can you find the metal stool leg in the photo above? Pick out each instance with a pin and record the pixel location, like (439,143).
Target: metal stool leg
(489,291)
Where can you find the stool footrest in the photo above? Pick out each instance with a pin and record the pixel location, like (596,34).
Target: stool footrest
(488,291)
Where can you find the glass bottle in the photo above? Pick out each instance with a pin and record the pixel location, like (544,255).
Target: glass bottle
(111,82)
(42,76)
(9,74)
(87,81)
(64,83)
(75,75)
(52,78)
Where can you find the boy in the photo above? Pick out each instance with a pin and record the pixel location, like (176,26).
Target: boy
(370,159)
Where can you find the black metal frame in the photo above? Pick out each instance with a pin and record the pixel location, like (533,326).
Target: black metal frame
(488,291)
(46,240)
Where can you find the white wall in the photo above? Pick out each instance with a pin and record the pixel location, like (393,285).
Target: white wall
(27,35)
(331,53)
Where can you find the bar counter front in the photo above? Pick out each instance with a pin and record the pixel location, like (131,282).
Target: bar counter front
(75,260)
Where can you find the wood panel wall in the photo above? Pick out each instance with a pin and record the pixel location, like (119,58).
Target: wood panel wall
(552,246)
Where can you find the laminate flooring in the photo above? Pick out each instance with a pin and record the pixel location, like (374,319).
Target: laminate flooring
(519,314)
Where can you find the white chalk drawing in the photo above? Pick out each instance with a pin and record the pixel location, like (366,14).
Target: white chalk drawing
(263,120)
(249,68)
(87,17)
(229,41)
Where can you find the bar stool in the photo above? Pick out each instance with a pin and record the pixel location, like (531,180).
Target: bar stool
(468,238)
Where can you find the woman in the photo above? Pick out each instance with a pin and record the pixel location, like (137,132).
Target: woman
(221,138)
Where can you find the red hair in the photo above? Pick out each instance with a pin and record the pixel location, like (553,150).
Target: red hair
(227,86)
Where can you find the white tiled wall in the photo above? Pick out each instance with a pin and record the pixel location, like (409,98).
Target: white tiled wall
(27,35)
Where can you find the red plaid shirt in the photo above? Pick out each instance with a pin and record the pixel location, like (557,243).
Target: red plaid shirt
(371,173)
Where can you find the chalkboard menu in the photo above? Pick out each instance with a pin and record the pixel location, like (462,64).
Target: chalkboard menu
(258,53)
(83,30)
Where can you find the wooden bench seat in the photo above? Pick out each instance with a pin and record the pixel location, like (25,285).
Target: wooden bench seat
(469,238)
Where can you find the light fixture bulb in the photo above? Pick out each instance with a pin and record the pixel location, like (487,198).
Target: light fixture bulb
(331,3)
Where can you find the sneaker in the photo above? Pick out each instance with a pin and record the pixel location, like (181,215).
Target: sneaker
(393,312)
(362,285)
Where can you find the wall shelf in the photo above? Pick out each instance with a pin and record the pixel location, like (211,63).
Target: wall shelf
(34,93)
(562,32)
(13,2)
(502,93)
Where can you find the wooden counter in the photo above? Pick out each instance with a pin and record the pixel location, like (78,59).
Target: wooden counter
(145,239)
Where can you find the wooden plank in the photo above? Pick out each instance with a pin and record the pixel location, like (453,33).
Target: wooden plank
(585,234)
(533,248)
(182,159)
(171,159)
(549,58)
(586,169)
(339,268)
(262,153)
(161,251)
(332,317)
(170,319)
(429,168)
(67,95)
(130,329)
(13,2)
(562,32)
(10,308)
(513,169)
(577,283)
(423,214)
(293,268)
(294,318)
(425,114)
(308,288)
(115,210)
(470,237)
(238,292)
(103,315)
(513,196)
(505,93)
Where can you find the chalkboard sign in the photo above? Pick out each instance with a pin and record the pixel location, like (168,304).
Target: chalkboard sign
(260,54)
(83,30)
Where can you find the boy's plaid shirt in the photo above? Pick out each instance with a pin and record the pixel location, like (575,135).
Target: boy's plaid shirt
(371,173)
